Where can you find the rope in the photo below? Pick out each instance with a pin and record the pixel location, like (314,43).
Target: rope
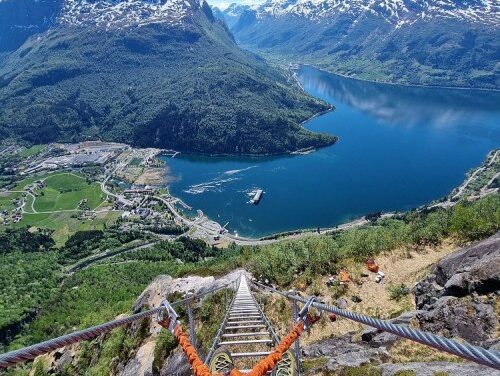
(269,362)
(31,352)
(260,369)
(465,350)
(199,368)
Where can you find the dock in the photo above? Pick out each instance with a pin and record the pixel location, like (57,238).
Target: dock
(257,197)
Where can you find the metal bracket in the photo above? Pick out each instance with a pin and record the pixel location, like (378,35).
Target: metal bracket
(167,317)
(305,316)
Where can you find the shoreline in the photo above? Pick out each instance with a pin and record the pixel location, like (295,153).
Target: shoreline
(399,83)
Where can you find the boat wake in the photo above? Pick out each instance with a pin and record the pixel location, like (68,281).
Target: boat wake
(215,185)
(232,172)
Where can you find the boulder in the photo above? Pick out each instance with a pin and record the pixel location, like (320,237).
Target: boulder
(343,352)
(456,299)
(470,318)
(176,365)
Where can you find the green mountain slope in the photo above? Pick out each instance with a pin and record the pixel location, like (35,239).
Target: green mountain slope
(417,43)
(171,85)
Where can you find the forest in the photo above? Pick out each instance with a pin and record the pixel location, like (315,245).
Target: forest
(139,87)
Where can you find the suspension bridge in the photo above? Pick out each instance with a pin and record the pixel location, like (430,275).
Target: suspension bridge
(246,342)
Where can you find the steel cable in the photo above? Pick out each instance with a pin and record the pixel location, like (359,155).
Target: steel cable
(31,352)
(465,350)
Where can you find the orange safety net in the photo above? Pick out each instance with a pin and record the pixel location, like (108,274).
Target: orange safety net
(260,369)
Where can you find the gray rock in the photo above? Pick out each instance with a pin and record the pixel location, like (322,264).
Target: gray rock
(479,264)
(342,303)
(378,338)
(457,298)
(342,352)
(467,318)
(430,368)
(176,365)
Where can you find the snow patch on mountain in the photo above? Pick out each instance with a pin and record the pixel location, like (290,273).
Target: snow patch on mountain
(124,13)
(396,12)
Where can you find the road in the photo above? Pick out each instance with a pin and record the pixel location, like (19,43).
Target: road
(82,264)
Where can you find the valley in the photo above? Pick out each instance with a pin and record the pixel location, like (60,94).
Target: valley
(429,43)
(244,163)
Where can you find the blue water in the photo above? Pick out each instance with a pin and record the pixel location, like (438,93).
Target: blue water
(400,147)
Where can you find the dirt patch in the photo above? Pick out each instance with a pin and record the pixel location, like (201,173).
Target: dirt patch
(399,267)
(152,176)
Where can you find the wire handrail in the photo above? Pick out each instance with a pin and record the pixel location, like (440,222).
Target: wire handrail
(31,352)
(464,350)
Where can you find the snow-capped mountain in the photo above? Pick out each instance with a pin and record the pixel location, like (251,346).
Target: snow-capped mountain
(122,13)
(393,11)
(161,73)
(21,18)
(231,15)
(425,42)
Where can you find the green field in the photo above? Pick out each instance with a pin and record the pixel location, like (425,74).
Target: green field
(65,191)
(34,150)
(60,197)
(65,224)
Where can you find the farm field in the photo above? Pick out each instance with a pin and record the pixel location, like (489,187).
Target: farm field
(65,191)
(65,224)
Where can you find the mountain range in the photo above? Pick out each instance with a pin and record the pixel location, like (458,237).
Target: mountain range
(161,73)
(422,42)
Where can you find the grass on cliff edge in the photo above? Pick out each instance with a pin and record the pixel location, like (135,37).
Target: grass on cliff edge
(101,292)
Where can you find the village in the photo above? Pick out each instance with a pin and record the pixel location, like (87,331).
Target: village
(93,182)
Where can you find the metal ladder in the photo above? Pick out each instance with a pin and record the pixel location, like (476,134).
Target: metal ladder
(245,325)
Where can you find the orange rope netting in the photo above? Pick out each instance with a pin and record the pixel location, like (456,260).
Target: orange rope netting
(260,369)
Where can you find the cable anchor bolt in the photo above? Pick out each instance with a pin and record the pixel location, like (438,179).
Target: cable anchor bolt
(167,317)
(306,317)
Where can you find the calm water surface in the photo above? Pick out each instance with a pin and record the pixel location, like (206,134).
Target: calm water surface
(399,147)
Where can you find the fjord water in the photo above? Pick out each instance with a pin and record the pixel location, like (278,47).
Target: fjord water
(400,147)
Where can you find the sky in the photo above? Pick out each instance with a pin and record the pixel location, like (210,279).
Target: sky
(223,4)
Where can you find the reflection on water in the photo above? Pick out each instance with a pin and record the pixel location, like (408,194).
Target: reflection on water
(404,105)
(399,147)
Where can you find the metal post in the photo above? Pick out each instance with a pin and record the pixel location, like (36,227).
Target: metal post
(192,333)
(295,310)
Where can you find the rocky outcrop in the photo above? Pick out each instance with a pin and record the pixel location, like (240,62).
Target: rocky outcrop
(343,352)
(176,365)
(457,298)
(474,269)
(161,288)
(145,332)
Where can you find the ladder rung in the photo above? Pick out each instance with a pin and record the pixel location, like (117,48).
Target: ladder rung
(244,342)
(253,316)
(246,334)
(244,322)
(250,354)
(245,327)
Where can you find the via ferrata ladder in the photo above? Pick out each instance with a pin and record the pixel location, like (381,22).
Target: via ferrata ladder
(246,327)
